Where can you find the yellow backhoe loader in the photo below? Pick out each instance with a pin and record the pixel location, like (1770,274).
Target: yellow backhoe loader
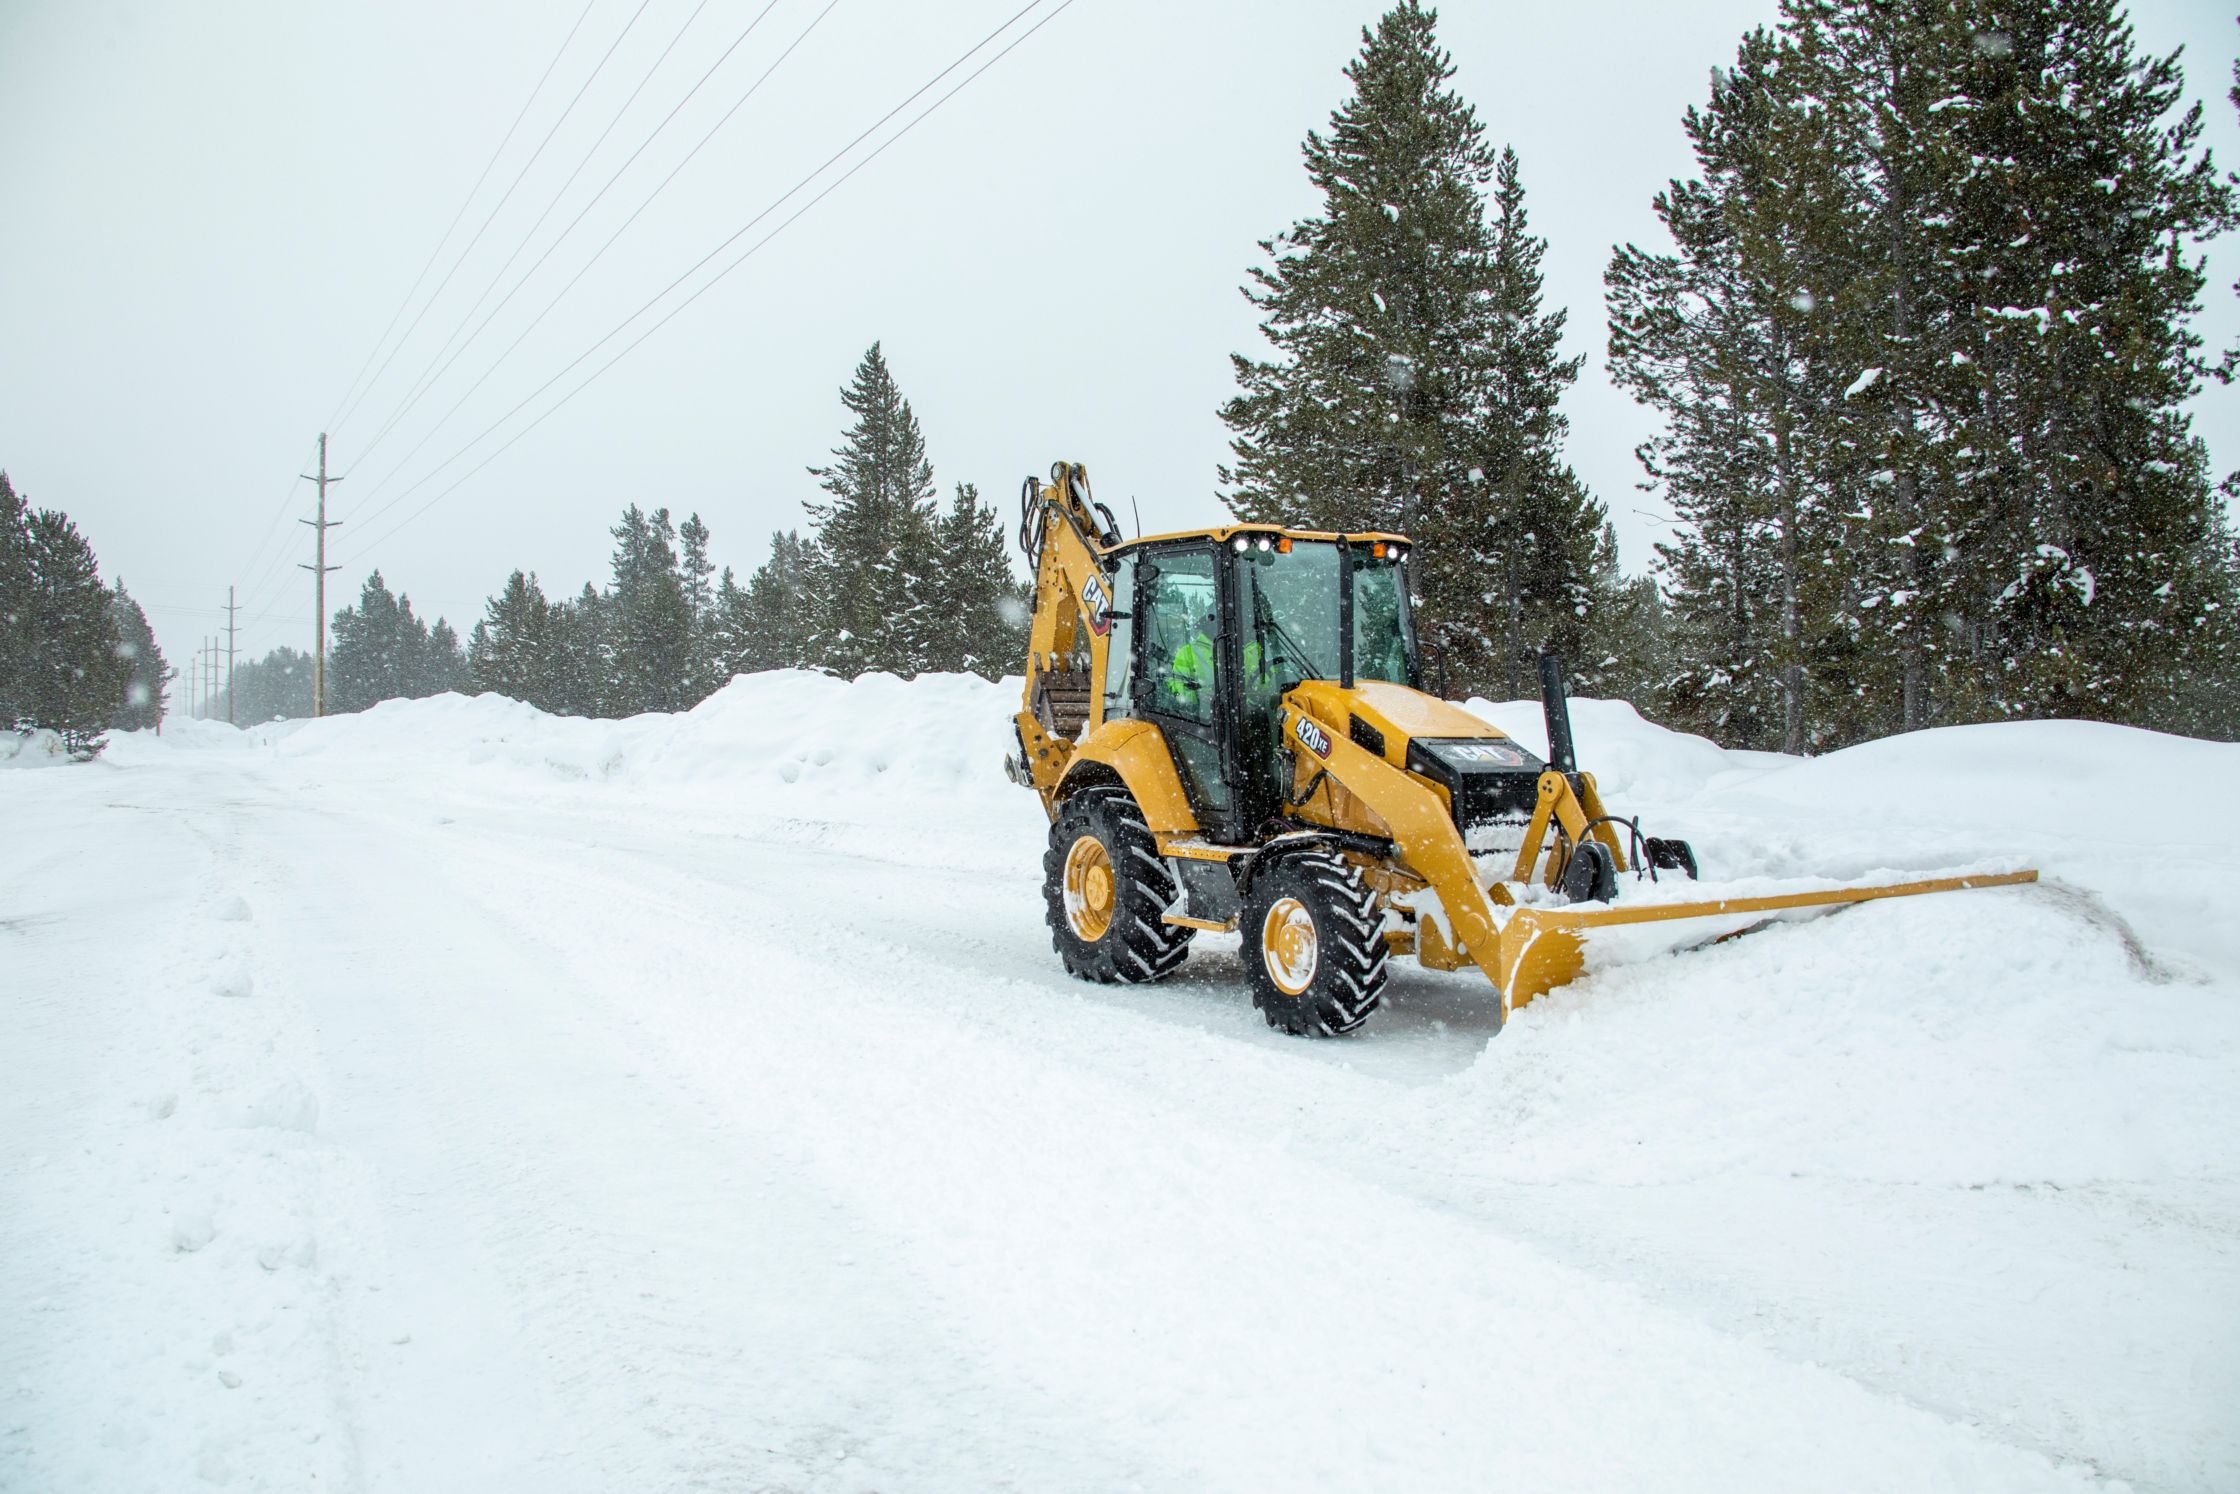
(1226,729)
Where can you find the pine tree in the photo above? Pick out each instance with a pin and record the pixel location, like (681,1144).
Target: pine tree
(1723,337)
(443,667)
(697,572)
(1548,545)
(873,540)
(383,651)
(147,687)
(651,626)
(70,677)
(2096,547)
(979,610)
(509,650)
(274,688)
(773,621)
(16,584)
(1921,355)
(1416,380)
(579,667)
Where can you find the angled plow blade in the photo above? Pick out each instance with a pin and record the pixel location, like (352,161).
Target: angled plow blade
(1542,948)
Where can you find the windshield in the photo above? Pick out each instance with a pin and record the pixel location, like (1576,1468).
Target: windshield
(1288,610)
(1288,598)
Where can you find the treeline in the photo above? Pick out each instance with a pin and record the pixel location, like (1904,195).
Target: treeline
(1920,349)
(886,578)
(77,658)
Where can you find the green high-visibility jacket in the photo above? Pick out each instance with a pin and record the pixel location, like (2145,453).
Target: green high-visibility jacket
(1193,668)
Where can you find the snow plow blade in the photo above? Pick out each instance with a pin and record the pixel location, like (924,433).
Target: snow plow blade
(1541,948)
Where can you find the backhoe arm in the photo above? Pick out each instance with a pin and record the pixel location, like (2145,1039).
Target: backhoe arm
(1065,534)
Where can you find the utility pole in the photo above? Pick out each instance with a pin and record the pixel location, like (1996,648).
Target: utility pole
(319,571)
(210,678)
(231,609)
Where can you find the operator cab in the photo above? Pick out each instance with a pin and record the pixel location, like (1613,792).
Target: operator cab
(1209,630)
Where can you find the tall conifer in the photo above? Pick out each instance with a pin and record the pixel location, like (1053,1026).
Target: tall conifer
(1416,375)
(873,539)
(146,688)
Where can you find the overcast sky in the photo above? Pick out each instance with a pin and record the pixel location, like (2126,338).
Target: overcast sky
(210,211)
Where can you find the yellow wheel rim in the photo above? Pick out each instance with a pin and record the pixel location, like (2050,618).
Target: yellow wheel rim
(1088,889)
(1289,946)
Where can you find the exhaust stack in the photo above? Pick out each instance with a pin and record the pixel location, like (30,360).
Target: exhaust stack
(1556,707)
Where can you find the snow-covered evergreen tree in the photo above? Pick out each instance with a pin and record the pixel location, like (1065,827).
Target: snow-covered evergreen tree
(651,629)
(697,573)
(64,668)
(147,687)
(1416,376)
(509,652)
(1721,337)
(1922,351)
(979,612)
(274,688)
(381,650)
(580,668)
(16,578)
(873,539)
(773,621)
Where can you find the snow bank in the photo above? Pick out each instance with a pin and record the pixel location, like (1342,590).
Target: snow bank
(2068,1034)
(1630,758)
(876,764)
(32,749)
(855,747)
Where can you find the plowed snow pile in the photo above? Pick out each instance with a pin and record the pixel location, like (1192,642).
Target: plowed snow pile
(454,1096)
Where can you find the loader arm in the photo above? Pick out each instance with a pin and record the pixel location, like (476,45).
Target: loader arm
(1423,832)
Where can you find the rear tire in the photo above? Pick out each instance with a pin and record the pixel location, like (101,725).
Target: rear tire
(1105,892)
(1314,949)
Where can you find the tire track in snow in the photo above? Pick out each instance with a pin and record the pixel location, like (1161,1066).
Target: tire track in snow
(689,1311)
(949,1031)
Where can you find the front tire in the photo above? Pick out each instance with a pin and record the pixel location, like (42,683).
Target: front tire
(1314,949)
(1106,893)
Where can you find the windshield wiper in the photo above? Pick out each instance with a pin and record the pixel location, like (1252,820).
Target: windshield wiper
(1263,620)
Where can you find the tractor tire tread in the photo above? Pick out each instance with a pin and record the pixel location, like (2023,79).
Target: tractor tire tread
(1139,946)
(1353,961)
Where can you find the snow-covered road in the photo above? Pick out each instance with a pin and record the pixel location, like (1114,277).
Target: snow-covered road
(450,1099)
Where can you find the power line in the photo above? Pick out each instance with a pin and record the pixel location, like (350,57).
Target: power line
(271,528)
(288,499)
(597,254)
(334,420)
(437,294)
(747,254)
(428,375)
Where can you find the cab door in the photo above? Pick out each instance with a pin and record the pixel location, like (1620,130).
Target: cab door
(1182,679)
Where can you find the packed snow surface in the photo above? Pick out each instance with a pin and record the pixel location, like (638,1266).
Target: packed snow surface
(456,1097)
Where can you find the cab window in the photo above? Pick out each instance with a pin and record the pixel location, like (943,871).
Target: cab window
(1180,635)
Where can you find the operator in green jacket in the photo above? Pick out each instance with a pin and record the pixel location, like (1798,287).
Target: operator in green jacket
(1192,677)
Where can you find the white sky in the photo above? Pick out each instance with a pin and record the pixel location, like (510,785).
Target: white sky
(209,211)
